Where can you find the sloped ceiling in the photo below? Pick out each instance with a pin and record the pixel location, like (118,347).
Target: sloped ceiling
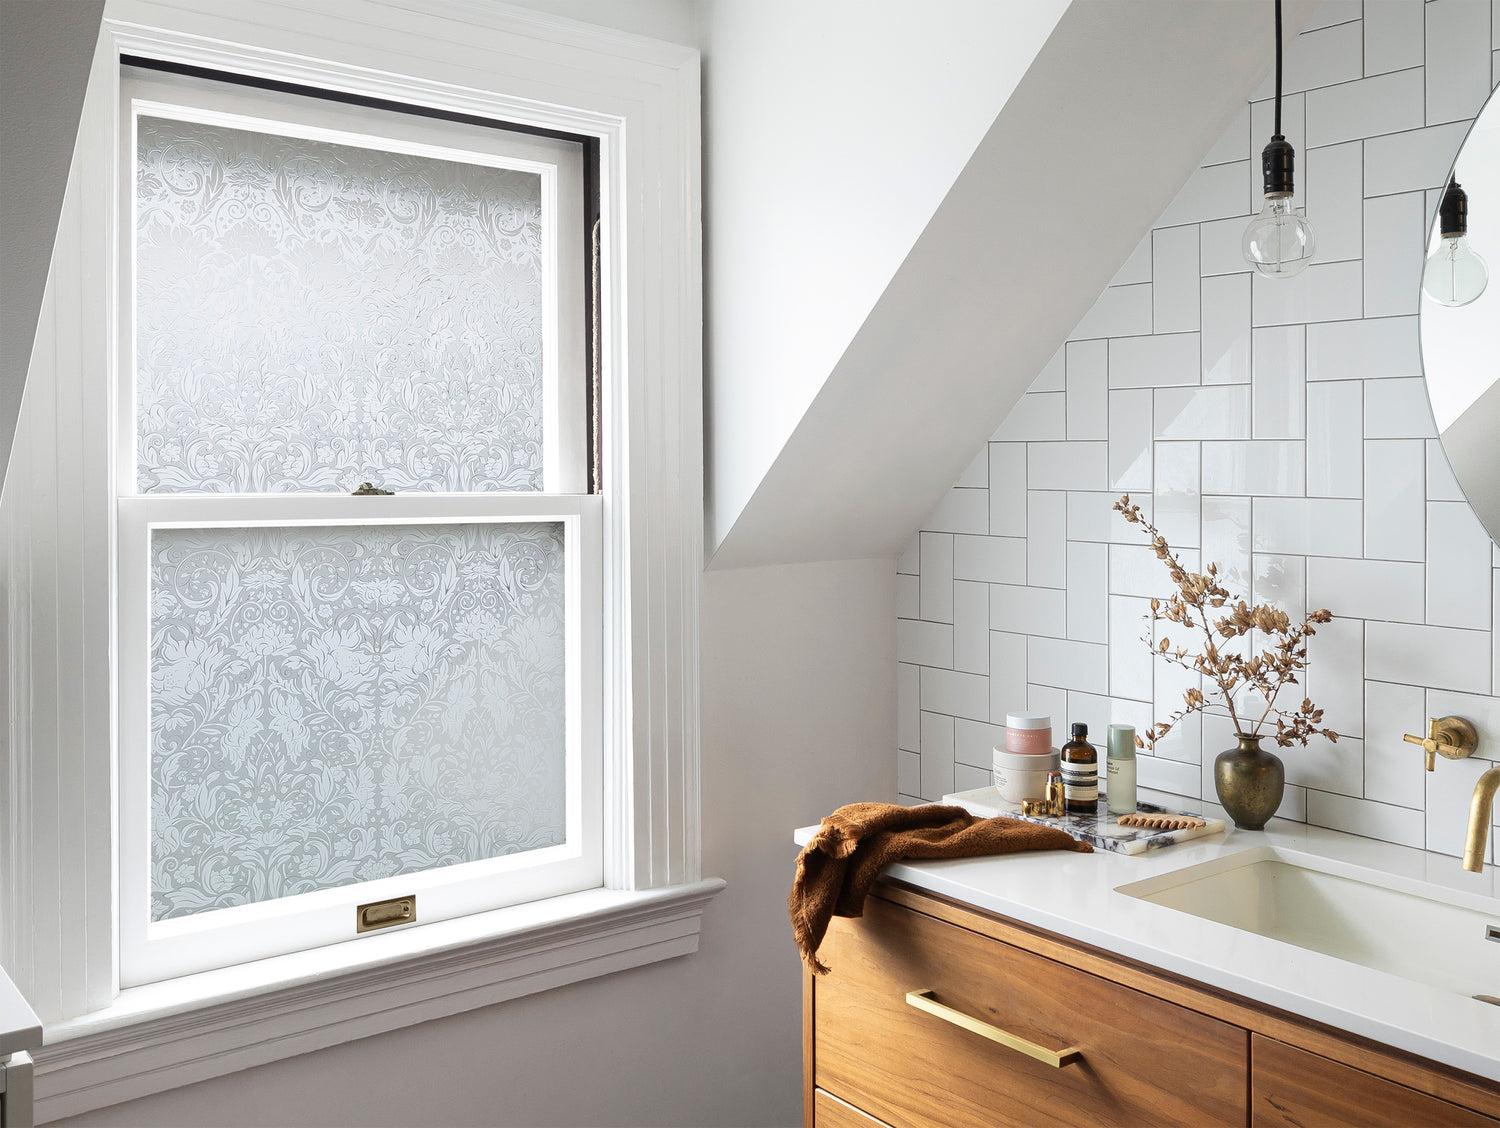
(832,130)
(1114,112)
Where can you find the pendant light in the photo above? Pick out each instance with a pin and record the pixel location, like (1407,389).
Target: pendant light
(1278,242)
(1454,274)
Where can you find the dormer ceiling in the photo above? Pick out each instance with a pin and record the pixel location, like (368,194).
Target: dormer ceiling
(1102,126)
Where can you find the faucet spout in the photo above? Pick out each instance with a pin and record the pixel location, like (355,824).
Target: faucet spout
(1479,819)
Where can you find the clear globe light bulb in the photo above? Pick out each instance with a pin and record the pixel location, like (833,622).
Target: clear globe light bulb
(1279,242)
(1454,275)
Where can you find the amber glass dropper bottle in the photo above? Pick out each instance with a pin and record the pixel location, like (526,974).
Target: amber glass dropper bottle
(1080,772)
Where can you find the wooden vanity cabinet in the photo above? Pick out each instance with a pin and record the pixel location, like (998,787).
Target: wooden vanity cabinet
(1296,1089)
(1151,1049)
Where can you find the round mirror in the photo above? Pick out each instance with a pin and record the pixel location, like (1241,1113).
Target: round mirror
(1461,318)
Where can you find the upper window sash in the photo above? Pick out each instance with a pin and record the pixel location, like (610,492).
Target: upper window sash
(438,393)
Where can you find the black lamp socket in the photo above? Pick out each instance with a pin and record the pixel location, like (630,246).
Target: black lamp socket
(1453,212)
(1277,160)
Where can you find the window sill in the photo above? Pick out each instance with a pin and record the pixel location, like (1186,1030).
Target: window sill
(180,1031)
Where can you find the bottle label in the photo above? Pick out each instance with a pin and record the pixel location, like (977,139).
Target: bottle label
(1080,782)
(1122,787)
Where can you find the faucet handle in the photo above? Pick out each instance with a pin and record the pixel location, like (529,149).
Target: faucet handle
(1453,737)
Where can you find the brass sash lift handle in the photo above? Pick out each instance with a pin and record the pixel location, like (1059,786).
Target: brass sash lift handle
(924,1001)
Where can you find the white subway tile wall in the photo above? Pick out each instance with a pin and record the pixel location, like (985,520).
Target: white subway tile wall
(1280,429)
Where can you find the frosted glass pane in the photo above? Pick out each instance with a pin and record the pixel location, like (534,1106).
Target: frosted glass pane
(333,705)
(310,316)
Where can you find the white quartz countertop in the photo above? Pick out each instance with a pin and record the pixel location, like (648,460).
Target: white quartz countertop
(20,1029)
(1075,895)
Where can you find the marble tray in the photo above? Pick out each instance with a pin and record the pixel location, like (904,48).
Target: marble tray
(1100,831)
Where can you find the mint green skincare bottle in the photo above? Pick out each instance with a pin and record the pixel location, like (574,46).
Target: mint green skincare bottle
(1121,768)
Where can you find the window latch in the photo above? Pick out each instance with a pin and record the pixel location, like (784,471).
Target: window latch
(368,489)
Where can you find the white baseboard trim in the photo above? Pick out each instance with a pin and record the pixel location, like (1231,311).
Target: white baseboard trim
(167,1035)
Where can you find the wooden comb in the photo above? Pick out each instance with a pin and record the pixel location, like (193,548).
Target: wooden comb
(1163,822)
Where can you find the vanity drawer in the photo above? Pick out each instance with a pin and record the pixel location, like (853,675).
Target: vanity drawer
(830,1112)
(1141,1060)
(1296,1089)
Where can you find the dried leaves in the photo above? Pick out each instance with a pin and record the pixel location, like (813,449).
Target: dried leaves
(1203,605)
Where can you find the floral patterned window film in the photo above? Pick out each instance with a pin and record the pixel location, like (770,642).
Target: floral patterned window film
(331,705)
(312,315)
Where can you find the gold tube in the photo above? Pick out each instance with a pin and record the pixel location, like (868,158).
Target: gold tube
(1479,820)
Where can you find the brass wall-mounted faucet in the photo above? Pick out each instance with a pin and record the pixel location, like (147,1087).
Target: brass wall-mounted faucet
(1451,737)
(1456,739)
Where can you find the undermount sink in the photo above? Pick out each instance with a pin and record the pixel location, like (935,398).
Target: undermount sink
(1441,937)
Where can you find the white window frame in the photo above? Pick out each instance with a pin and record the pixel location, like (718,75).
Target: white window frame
(156,950)
(638,100)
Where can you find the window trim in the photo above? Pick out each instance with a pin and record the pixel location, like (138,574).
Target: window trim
(181,1031)
(639,99)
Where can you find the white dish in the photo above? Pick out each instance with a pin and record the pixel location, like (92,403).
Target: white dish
(1101,830)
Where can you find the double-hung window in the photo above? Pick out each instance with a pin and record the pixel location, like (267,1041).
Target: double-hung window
(451,250)
(359,562)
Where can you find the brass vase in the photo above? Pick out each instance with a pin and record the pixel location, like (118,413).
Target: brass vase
(1249,781)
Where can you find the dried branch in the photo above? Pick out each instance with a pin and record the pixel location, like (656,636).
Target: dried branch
(1202,605)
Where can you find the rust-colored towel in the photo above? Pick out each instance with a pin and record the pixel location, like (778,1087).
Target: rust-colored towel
(839,865)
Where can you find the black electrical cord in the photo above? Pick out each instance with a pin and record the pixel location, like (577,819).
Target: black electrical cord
(1277,158)
(1278,68)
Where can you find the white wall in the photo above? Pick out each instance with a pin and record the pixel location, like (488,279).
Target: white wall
(675,21)
(797,688)
(832,130)
(1278,428)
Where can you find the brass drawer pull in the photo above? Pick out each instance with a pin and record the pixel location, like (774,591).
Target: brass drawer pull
(923,1000)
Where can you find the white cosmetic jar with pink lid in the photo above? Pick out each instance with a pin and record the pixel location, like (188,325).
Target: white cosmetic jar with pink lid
(1020,768)
(1028,734)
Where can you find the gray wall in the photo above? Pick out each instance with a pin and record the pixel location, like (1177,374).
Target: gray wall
(45,50)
